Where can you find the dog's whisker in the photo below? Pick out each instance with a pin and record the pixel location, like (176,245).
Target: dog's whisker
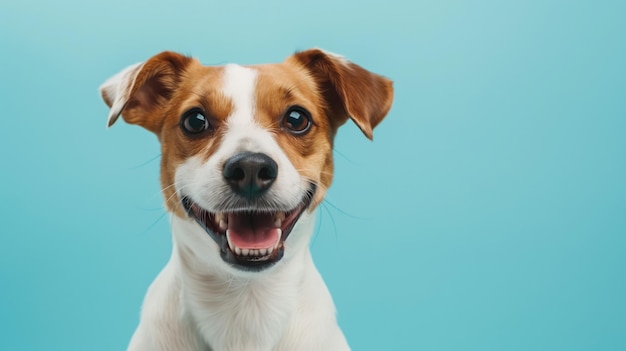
(145,163)
(155,222)
(313,171)
(332,219)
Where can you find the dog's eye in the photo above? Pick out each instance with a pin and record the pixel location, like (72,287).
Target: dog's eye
(297,120)
(194,122)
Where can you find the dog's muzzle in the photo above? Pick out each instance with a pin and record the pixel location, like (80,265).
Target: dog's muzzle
(250,237)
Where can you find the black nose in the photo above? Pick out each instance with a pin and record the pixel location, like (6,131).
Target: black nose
(250,174)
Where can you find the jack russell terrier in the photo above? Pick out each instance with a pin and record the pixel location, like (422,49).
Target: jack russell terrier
(246,157)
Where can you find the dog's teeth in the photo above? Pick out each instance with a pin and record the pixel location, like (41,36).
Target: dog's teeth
(220,219)
(270,250)
(262,252)
(237,250)
(245,252)
(278,219)
(254,252)
(232,247)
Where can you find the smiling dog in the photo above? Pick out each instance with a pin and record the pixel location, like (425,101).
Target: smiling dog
(246,157)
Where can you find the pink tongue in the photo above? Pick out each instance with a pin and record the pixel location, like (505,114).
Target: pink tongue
(252,231)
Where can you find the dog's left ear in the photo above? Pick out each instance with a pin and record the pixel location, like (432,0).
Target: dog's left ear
(349,90)
(137,91)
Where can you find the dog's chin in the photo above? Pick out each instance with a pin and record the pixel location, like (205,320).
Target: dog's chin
(250,239)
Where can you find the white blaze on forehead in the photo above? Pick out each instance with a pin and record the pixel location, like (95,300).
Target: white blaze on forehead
(243,132)
(239,86)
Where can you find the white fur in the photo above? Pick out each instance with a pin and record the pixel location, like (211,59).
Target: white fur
(338,58)
(198,302)
(117,89)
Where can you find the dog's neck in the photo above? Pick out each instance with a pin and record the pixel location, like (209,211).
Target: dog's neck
(227,305)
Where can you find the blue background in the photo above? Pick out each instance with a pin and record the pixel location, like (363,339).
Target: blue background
(489,213)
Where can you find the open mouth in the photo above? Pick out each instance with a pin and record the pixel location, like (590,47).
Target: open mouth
(251,239)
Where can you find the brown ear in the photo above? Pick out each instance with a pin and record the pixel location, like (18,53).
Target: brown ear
(138,90)
(350,91)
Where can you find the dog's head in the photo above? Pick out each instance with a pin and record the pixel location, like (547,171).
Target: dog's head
(246,150)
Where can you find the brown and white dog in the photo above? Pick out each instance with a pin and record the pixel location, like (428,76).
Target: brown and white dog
(246,158)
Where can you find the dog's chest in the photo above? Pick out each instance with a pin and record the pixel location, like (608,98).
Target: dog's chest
(240,315)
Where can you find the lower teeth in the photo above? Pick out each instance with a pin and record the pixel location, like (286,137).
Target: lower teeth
(252,252)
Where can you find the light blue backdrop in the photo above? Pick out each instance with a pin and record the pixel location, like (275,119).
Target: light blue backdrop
(489,213)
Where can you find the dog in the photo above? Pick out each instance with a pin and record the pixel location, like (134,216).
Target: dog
(246,158)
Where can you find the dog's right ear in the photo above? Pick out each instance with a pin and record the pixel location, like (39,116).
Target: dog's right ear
(349,90)
(137,91)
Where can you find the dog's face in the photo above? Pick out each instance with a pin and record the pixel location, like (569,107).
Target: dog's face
(247,150)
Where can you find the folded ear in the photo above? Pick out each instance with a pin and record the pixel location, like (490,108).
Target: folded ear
(137,91)
(350,91)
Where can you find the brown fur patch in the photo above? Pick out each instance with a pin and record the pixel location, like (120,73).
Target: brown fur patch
(199,88)
(280,86)
(350,90)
